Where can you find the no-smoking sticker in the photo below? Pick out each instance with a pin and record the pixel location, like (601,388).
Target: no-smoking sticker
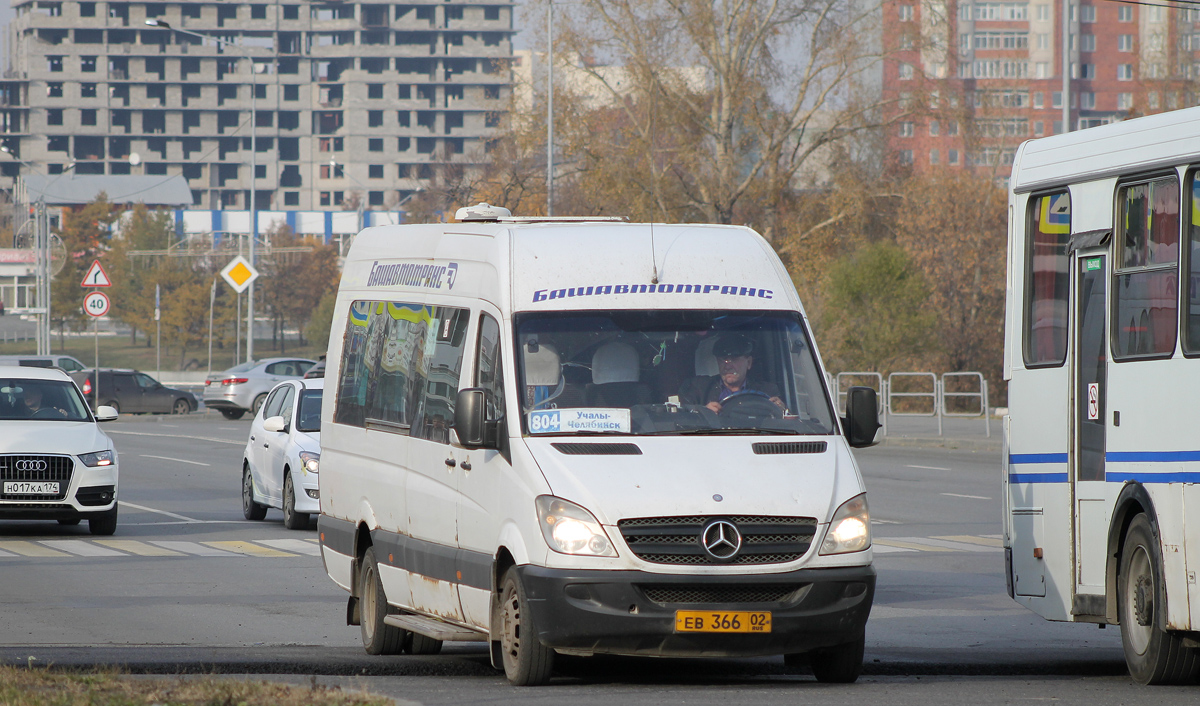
(1093,400)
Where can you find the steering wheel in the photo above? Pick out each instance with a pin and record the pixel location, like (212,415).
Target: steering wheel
(750,404)
(48,413)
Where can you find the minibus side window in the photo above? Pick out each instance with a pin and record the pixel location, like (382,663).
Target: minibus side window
(380,345)
(488,371)
(435,369)
(1047,277)
(1191,329)
(352,382)
(1147,253)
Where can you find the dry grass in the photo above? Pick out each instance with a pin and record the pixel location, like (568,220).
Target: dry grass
(40,687)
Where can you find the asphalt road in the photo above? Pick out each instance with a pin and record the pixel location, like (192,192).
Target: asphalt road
(187,585)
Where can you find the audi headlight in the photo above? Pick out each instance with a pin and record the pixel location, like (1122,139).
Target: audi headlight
(99,458)
(569,529)
(850,528)
(310,460)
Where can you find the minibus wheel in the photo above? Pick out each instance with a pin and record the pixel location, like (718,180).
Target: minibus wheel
(1153,655)
(423,645)
(840,664)
(527,662)
(378,637)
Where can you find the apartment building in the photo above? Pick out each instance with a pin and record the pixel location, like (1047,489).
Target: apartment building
(355,104)
(975,78)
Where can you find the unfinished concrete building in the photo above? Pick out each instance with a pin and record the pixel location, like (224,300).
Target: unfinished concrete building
(355,104)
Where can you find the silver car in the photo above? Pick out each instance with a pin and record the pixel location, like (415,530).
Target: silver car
(243,388)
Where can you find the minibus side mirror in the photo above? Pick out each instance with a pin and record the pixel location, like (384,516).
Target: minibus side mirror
(862,417)
(470,420)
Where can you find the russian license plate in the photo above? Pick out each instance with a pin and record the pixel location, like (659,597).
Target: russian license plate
(722,621)
(27,488)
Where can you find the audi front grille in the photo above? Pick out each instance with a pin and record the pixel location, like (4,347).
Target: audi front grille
(36,468)
(678,540)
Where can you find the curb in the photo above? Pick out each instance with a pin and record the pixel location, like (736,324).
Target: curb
(936,442)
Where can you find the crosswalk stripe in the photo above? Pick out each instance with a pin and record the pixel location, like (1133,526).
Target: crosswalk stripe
(193,548)
(20,546)
(892,542)
(135,547)
(79,547)
(984,541)
(6,554)
(248,548)
(295,545)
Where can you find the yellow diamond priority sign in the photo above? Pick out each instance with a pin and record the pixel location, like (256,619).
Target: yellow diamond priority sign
(239,274)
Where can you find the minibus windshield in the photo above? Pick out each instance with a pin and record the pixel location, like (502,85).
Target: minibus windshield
(663,372)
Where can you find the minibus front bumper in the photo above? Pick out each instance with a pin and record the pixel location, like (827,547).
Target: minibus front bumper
(633,612)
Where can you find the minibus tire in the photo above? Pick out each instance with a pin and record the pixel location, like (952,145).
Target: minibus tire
(423,645)
(1153,655)
(378,637)
(251,509)
(527,662)
(840,664)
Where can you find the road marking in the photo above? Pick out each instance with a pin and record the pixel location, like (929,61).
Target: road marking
(30,549)
(929,468)
(79,547)
(135,547)
(876,521)
(906,543)
(943,545)
(180,460)
(161,512)
(248,549)
(884,549)
(176,436)
(193,548)
(984,541)
(972,497)
(294,545)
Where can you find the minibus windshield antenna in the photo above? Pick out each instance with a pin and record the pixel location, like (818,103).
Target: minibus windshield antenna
(653,260)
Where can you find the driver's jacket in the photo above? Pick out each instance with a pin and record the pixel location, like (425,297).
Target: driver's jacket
(702,390)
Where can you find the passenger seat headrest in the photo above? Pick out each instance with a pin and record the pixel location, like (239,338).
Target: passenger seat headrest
(615,362)
(542,365)
(706,362)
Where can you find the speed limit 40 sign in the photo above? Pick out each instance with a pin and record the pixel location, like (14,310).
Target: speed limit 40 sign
(96,304)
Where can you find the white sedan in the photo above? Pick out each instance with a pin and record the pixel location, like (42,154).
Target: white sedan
(283,454)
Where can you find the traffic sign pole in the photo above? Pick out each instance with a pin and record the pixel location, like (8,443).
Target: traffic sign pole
(95,305)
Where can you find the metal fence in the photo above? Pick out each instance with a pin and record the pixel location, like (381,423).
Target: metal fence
(921,394)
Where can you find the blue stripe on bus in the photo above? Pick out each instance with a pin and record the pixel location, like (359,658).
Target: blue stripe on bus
(1192,477)
(1037,477)
(1151,456)
(1037,458)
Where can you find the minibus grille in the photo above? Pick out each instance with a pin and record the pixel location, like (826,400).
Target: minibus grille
(35,468)
(592,449)
(677,540)
(789,447)
(767,593)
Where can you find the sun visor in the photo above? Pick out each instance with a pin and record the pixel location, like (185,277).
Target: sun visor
(1089,239)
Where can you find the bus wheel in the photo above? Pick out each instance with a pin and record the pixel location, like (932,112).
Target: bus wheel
(1154,656)
(840,664)
(378,637)
(527,662)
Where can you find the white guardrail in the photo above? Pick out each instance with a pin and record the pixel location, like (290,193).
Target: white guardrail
(921,394)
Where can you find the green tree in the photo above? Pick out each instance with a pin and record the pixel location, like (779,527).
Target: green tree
(322,319)
(874,316)
(295,275)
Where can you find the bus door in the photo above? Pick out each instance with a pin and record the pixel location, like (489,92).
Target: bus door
(1090,394)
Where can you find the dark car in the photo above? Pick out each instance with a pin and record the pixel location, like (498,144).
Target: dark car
(135,392)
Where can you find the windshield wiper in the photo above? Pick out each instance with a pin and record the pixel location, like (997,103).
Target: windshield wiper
(723,431)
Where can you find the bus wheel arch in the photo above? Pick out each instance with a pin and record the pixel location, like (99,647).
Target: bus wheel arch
(1133,501)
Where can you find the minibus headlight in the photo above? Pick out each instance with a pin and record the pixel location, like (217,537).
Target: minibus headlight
(850,528)
(311,461)
(569,529)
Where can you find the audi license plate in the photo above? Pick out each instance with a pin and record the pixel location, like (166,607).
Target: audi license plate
(722,621)
(27,488)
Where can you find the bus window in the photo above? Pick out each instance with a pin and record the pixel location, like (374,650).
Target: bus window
(1049,229)
(1147,251)
(1191,332)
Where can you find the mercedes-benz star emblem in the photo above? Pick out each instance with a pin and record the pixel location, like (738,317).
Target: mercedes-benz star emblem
(721,540)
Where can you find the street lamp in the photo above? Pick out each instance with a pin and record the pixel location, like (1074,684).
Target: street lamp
(163,24)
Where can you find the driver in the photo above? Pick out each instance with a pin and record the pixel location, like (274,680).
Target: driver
(734,360)
(33,400)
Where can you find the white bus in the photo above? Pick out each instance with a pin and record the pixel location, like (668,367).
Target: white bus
(1102,332)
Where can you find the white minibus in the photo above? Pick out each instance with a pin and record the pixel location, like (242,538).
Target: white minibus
(1102,335)
(584,436)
